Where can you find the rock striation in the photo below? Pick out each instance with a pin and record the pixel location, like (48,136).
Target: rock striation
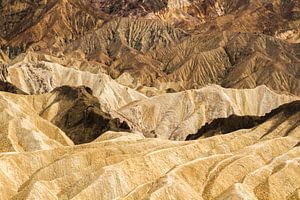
(43,77)
(176,115)
(181,43)
(234,122)
(150,99)
(23,129)
(249,163)
(169,116)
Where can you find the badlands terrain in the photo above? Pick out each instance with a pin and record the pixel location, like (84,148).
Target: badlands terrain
(150,99)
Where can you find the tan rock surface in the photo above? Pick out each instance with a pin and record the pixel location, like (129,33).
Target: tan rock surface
(22,129)
(174,116)
(221,42)
(94,93)
(169,58)
(258,163)
(77,112)
(168,116)
(42,77)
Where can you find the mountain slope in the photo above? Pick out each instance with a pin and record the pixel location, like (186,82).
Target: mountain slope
(150,99)
(175,116)
(249,163)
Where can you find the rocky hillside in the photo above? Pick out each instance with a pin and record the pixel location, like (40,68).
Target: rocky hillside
(246,164)
(140,99)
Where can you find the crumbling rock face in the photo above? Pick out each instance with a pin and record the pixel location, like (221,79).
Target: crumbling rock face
(157,54)
(17,16)
(238,60)
(138,34)
(168,116)
(231,50)
(44,24)
(232,60)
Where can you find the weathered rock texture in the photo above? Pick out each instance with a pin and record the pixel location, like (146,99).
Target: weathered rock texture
(174,116)
(39,122)
(23,129)
(42,77)
(94,93)
(168,116)
(175,44)
(246,164)
(235,122)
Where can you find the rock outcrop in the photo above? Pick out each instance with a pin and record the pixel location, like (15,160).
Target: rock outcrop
(43,77)
(233,43)
(169,116)
(62,117)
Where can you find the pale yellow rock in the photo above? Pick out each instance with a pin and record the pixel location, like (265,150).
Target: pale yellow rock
(246,164)
(132,68)
(175,116)
(22,129)
(45,76)
(169,116)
